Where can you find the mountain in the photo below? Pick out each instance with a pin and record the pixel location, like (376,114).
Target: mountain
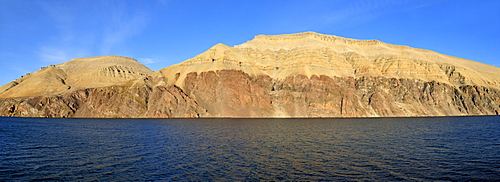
(76,74)
(293,75)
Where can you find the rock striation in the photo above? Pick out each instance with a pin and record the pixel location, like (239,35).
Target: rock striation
(76,74)
(293,75)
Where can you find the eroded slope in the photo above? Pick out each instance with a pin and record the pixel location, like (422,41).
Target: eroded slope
(311,53)
(295,75)
(76,74)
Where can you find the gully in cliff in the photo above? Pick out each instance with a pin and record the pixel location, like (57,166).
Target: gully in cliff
(293,75)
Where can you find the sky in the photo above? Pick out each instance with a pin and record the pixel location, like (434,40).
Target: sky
(160,33)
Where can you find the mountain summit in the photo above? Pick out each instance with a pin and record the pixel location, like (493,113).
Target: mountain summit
(311,53)
(76,74)
(294,75)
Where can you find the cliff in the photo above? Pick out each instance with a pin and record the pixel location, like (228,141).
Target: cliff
(295,75)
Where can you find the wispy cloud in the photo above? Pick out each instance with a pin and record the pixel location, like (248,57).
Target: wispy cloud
(358,12)
(90,28)
(147,61)
(19,70)
(120,26)
(53,55)
(162,2)
(345,14)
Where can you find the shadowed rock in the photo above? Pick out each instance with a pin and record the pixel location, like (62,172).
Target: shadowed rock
(295,75)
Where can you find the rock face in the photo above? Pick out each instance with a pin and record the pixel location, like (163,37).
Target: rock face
(233,93)
(295,75)
(94,87)
(76,74)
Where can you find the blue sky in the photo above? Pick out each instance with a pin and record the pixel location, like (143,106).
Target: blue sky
(160,33)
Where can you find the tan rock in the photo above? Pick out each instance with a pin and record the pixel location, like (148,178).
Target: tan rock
(76,74)
(295,75)
(311,53)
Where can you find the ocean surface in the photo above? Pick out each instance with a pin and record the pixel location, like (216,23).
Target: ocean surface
(373,149)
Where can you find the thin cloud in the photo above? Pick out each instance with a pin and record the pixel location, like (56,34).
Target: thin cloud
(163,3)
(357,13)
(119,23)
(92,27)
(122,26)
(147,61)
(53,55)
(345,14)
(19,70)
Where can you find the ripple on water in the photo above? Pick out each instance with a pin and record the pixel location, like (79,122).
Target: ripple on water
(383,149)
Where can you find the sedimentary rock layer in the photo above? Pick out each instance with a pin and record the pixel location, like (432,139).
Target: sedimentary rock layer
(234,93)
(76,74)
(295,75)
(311,53)
(106,102)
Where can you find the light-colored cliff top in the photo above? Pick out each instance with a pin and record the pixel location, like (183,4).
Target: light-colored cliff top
(278,56)
(306,39)
(311,53)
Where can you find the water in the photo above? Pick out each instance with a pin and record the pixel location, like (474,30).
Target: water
(382,149)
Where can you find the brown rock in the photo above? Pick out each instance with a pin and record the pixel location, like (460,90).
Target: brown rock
(76,74)
(296,75)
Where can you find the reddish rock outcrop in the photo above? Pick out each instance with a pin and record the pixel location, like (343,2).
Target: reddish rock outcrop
(296,75)
(107,102)
(226,92)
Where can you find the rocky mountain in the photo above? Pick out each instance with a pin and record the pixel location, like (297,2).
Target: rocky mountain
(76,74)
(294,75)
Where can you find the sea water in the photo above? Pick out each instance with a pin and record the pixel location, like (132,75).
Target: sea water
(370,149)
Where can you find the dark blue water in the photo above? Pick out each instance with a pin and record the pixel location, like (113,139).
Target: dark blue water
(382,149)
